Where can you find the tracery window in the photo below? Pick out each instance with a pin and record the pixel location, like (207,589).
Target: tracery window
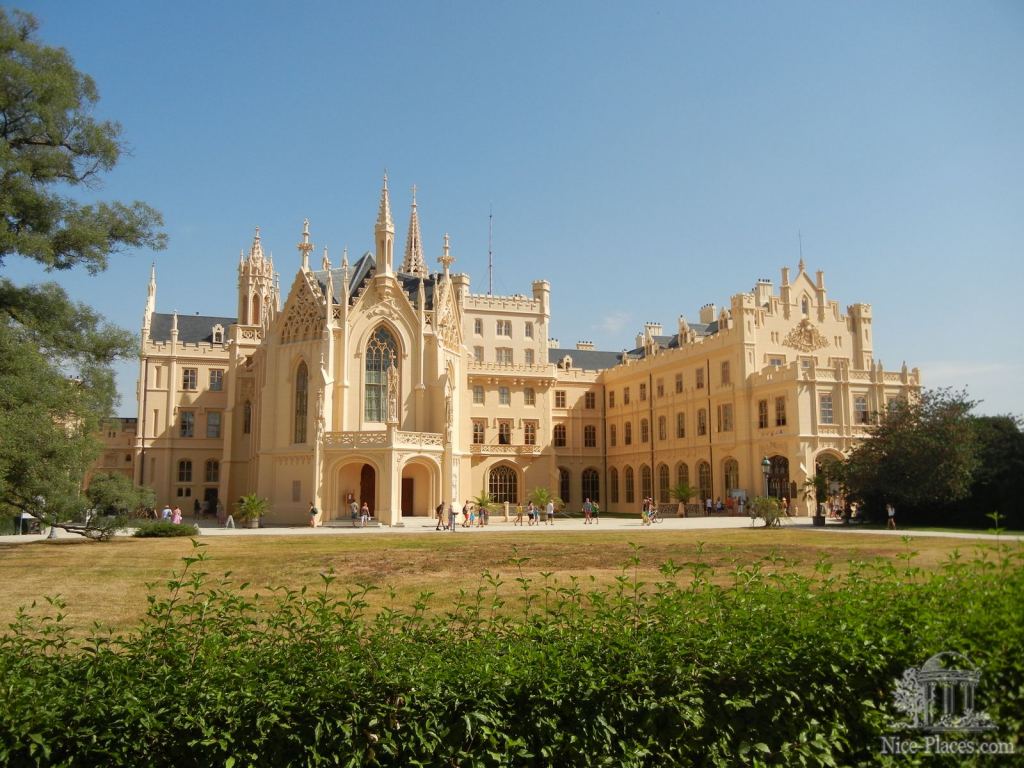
(381,354)
(563,484)
(663,484)
(503,485)
(301,403)
(590,484)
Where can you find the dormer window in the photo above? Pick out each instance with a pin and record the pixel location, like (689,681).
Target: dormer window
(218,334)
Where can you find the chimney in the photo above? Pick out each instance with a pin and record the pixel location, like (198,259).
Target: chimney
(708,314)
(588,345)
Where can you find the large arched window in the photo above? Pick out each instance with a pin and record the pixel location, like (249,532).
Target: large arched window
(663,484)
(590,484)
(704,479)
(563,484)
(247,418)
(212,471)
(646,490)
(613,480)
(731,474)
(630,493)
(301,403)
(503,485)
(381,354)
(682,474)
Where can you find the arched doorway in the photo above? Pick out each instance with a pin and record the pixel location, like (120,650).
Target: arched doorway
(368,487)
(778,477)
(420,488)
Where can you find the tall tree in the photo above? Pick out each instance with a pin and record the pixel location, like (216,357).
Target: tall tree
(996,486)
(56,380)
(921,457)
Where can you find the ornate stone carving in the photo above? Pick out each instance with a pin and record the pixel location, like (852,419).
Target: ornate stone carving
(392,394)
(305,318)
(804,337)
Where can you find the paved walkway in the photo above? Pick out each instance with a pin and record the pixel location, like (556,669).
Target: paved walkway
(420,525)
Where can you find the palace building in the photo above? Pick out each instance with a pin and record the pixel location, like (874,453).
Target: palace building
(394,385)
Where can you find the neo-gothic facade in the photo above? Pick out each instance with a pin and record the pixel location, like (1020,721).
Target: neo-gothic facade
(398,387)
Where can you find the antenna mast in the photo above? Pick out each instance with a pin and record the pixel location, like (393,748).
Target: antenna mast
(490,251)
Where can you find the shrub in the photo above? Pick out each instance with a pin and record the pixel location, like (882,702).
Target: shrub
(162,528)
(776,669)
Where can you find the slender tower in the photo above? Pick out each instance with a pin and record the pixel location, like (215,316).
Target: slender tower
(384,232)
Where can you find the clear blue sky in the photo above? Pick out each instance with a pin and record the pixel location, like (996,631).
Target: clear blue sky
(646,158)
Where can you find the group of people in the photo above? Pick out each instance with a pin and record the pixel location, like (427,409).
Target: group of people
(591,512)
(649,512)
(533,513)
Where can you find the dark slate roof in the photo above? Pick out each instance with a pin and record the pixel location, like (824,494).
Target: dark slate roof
(672,342)
(192,329)
(587,359)
(364,269)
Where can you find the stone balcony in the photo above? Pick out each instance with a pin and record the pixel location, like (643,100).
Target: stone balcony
(422,441)
(504,450)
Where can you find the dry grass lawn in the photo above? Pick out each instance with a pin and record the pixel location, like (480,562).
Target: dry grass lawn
(108,583)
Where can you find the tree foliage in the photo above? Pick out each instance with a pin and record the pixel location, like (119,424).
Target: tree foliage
(996,481)
(114,495)
(56,380)
(922,455)
(49,141)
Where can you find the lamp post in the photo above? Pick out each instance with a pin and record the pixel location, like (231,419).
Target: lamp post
(766,467)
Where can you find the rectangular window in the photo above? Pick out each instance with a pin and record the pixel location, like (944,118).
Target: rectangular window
(726,377)
(478,432)
(860,410)
(702,422)
(780,411)
(530,432)
(644,429)
(611,398)
(528,357)
(504,396)
(558,436)
(478,326)
(776,362)
(504,328)
(296,490)
(559,398)
(216,380)
(625,396)
(662,428)
(189,378)
(184,492)
(528,332)
(590,436)
(612,436)
(826,409)
(700,378)
(725,417)
(529,396)
(643,392)
(589,401)
(762,414)
(213,424)
(187,421)
(478,395)
(504,433)
(504,355)
(478,354)
(680,425)
(661,387)
(679,383)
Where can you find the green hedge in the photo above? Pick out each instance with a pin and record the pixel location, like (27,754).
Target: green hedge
(774,668)
(162,529)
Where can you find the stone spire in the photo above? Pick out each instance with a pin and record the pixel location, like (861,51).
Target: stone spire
(150,297)
(305,247)
(446,257)
(256,250)
(414,263)
(384,232)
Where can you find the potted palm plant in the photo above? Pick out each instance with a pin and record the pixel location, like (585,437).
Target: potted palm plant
(682,494)
(251,509)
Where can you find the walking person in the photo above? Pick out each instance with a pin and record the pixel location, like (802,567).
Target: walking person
(588,511)
(707,506)
(890,512)
(439,511)
(176,517)
(229,520)
(519,514)
(595,513)
(353,508)
(312,515)
(451,518)
(550,513)
(364,515)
